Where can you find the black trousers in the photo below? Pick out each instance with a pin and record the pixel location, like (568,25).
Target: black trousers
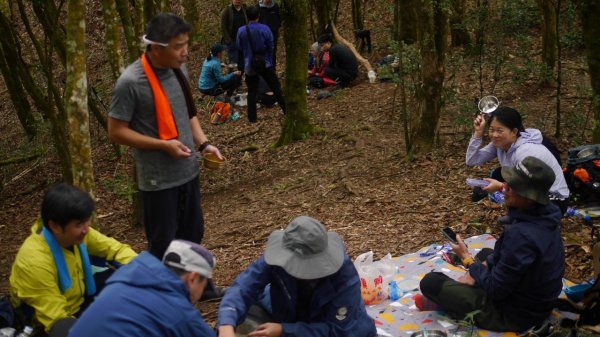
(174,213)
(273,83)
(228,86)
(339,75)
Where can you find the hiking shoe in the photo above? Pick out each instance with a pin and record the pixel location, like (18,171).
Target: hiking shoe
(504,220)
(478,194)
(213,293)
(424,304)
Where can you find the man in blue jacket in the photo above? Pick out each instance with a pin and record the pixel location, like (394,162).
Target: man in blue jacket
(307,283)
(148,298)
(516,286)
(257,38)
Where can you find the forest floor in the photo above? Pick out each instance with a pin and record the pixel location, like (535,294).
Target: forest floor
(353,177)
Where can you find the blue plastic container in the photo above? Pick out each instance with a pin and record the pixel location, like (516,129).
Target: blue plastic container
(575,293)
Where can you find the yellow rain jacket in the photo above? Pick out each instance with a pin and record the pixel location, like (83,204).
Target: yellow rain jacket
(34,277)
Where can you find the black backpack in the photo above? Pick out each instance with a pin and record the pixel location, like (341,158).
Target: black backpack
(583,174)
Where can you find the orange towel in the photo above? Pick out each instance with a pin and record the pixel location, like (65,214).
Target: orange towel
(164,115)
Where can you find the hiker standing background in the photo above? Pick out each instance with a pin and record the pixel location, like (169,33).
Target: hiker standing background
(256,38)
(270,15)
(232,18)
(153,111)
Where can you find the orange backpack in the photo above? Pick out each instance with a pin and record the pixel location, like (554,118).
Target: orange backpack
(221,112)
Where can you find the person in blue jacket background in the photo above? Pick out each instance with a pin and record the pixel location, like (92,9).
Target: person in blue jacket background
(148,298)
(306,282)
(212,82)
(516,286)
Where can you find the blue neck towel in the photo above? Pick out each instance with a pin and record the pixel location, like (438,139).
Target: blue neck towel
(64,279)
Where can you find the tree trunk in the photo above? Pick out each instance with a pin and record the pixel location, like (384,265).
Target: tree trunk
(150,10)
(15,90)
(324,11)
(112,37)
(133,44)
(431,36)
(548,10)
(458,31)
(405,20)
(76,98)
(297,122)
(590,12)
(138,18)
(164,5)
(357,16)
(192,16)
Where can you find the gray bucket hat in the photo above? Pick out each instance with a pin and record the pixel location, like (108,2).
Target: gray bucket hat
(531,178)
(305,249)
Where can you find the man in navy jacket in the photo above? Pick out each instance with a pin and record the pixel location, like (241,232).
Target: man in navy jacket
(516,286)
(307,283)
(148,298)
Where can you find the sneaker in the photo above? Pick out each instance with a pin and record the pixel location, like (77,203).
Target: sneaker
(213,293)
(478,194)
(504,220)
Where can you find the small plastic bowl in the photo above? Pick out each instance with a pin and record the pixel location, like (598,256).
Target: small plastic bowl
(212,162)
(575,293)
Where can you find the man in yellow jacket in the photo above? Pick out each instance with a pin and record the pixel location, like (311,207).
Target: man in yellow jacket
(52,273)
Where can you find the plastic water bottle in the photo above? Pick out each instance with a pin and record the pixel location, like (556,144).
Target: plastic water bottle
(394,291)
(26,332)
(372,76)
(578,213)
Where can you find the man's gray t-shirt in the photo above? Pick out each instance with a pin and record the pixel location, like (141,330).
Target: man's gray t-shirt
(133,102)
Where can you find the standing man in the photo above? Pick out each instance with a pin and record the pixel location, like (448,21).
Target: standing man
(270,16)
(342,66)
(153,111)
(232,18)
(262,43)
(148,298)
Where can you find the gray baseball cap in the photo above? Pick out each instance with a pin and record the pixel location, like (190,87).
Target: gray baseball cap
(305,249)
(190,257)
(531,178)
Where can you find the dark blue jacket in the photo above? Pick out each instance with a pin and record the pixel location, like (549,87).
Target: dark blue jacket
(143,298)
(524,274)
(263,43)
(336,309)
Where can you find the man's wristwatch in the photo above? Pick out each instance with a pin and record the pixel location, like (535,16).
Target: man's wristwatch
(203,146)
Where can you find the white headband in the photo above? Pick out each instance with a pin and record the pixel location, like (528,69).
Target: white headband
(148,42)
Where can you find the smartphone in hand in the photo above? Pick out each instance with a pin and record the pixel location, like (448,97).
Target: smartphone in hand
(450,235)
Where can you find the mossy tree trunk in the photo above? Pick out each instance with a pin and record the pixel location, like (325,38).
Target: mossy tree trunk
(112,37)
(590,12)
(192,16)
(133,44)
(549,40)
(76,98)
(43,94)
(150,10)
(15,90)
(405,21)
(297,122)
(458,32)
(357,16)
(325,10)
(432,41)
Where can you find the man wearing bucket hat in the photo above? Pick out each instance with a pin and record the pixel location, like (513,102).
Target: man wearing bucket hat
(516,286)
(150,298)
(306,283)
